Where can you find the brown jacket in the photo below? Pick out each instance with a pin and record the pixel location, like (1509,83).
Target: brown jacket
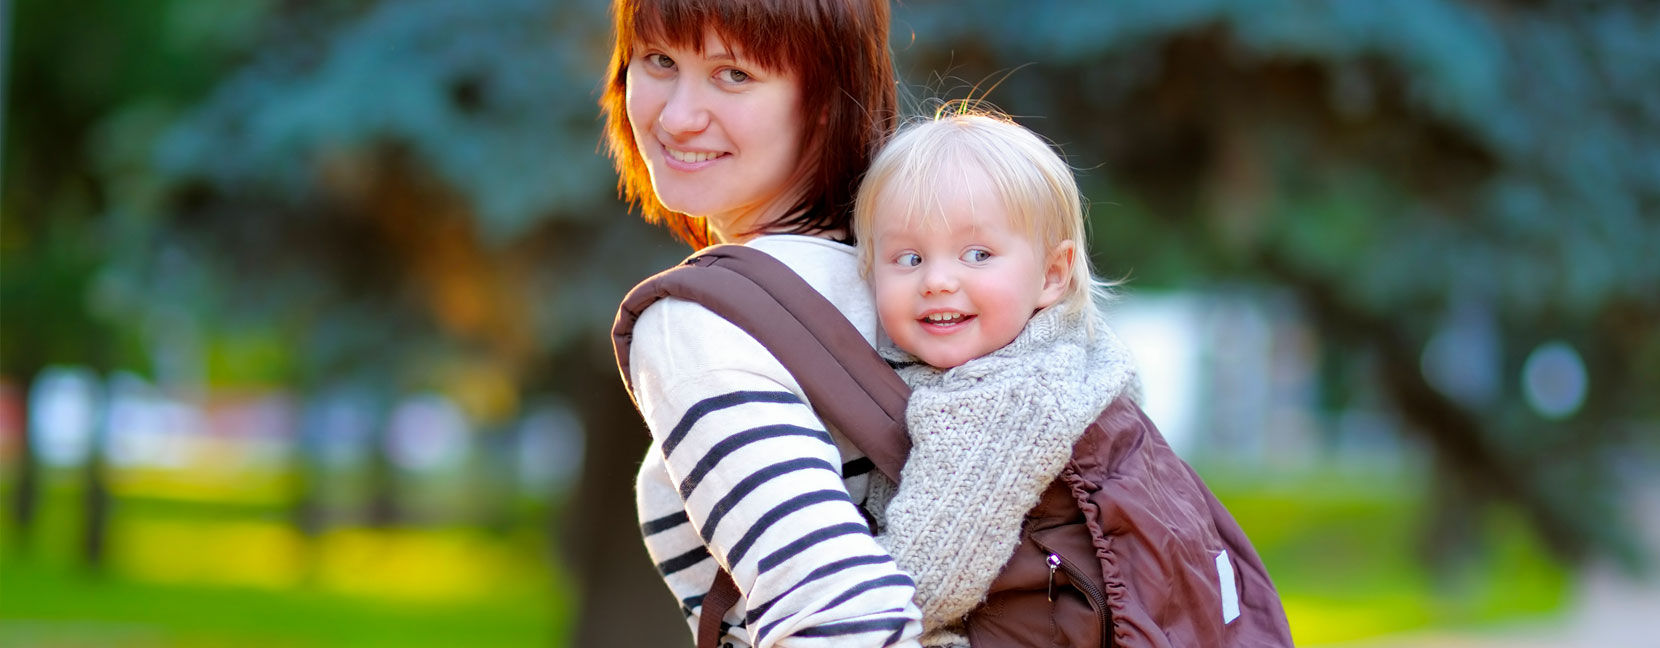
(1137,541)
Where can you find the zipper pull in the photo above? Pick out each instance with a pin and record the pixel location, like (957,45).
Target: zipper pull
(1054,563)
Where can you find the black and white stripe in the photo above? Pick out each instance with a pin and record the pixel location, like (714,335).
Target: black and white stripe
(744,476)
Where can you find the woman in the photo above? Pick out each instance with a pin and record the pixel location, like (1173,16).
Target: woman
(750,122)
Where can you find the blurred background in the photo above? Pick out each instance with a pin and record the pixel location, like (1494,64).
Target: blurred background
(305,307)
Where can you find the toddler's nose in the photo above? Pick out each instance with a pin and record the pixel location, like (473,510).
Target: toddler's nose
(938,280)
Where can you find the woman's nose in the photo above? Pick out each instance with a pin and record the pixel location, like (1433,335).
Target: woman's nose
(684,111)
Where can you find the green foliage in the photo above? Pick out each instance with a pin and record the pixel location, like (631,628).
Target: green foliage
(1392,164)
(1561,97)
(487,95)
(44,291)
(486,105)
(1389,162)
(69,71)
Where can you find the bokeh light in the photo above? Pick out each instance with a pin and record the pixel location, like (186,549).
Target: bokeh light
(1554,380)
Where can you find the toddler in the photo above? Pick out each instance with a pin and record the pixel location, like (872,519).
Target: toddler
(972,233)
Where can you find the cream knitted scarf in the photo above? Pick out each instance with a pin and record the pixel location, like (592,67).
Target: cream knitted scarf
(987,438)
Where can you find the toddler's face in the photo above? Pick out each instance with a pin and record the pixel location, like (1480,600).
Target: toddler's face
(959,284)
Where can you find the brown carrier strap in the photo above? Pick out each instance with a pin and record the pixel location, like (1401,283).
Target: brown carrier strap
(850,386)
(723,594)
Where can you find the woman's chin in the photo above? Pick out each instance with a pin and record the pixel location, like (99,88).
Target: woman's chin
(690,205)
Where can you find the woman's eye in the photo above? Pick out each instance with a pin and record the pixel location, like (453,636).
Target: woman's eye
(977,256)
(660,60)
(731,75)
(909,259)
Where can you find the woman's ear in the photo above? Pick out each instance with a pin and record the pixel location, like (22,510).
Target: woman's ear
(1057,273)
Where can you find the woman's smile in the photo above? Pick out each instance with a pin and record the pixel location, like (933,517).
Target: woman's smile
(688,160)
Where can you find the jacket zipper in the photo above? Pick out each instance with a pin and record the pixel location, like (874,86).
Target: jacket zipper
(1083,583)
(1054,561)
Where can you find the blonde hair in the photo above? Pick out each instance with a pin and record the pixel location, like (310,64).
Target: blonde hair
(1036,186)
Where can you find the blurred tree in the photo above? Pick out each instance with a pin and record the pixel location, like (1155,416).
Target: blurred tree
(80,94)
(1398,166)
(411,190)
(398,189)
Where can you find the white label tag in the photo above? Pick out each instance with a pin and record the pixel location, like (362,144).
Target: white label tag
(1230,591)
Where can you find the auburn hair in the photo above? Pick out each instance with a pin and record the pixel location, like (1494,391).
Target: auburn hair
(838,49)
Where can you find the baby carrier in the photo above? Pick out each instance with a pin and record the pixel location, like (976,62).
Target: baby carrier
(1127,547)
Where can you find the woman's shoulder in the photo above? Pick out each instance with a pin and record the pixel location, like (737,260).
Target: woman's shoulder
(682,337)
(831,268)
(809,254)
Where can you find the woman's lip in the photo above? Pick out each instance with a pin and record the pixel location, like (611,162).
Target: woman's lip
(680,165)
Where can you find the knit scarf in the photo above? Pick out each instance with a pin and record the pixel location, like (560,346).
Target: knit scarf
(987,437)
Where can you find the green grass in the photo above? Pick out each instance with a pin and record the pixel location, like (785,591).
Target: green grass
(163,586)
(55,605)
(1343,551)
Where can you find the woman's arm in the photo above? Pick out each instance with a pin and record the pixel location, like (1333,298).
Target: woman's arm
(743,474)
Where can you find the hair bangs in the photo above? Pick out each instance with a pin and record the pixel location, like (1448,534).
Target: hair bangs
(756,30)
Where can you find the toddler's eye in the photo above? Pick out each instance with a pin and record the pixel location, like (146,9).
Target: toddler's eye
(909,259)
(977,256)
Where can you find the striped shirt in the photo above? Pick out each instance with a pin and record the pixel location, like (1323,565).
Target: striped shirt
(743,474)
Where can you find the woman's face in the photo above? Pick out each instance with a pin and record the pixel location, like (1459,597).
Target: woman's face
(721,136)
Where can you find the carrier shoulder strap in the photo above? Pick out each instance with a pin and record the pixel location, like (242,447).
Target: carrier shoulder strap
(849,385)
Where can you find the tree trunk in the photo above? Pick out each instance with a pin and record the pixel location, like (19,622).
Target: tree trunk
(384,508)
(95,496)
(623,601)
(25,493)
(306,512)
(1472,459)
(493,484)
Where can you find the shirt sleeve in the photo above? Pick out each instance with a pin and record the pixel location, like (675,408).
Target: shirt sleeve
(759,482)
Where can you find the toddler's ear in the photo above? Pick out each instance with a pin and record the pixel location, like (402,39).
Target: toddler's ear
(1057,273)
